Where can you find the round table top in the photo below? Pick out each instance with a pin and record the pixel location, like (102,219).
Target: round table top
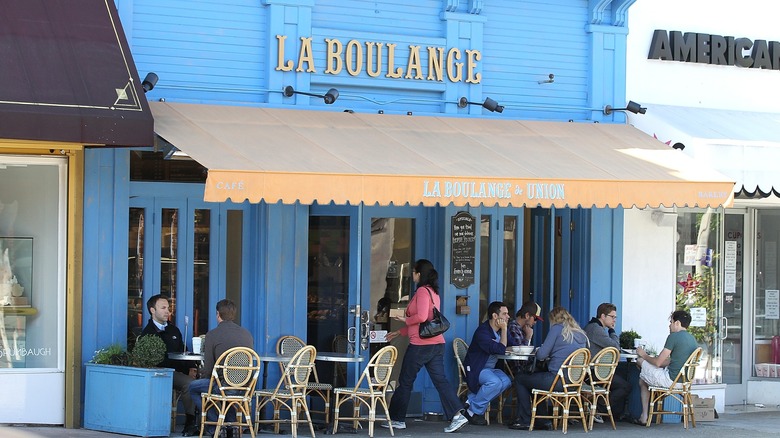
(330,356)
(274,358)
(186,356)
(516,356)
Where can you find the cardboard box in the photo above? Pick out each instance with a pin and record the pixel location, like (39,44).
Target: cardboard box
(703,408)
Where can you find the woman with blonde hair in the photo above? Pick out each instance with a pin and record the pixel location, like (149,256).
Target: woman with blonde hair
(565,336)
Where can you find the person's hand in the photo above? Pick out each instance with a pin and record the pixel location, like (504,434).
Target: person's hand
(392,335)
(193,373)
(400,318)
(528,331)
(640,352)
(501,323)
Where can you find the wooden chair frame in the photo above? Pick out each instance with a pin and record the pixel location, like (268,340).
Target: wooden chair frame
(287,346)
(680,390)
(602,369)
(570,376)
(369,391)
(232,383)
(289,394)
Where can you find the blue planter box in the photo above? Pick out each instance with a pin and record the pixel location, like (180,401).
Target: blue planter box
(131,401)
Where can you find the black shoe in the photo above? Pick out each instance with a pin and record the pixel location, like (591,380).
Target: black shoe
(543,425)
(475,420)
(190,430)
(518,425)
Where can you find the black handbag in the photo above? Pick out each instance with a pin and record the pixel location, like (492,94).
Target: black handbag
(435,326)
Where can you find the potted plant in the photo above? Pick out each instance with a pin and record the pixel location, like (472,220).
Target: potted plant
(124,391)
(627,338)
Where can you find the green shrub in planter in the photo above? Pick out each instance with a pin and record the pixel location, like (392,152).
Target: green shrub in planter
(148,352)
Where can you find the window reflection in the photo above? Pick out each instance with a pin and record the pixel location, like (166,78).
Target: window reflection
(201,260)
(168,256)
(135,276)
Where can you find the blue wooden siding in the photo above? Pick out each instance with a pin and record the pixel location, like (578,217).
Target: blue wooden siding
(202,50)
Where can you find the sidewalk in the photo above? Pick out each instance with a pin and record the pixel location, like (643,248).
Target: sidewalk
(735,422)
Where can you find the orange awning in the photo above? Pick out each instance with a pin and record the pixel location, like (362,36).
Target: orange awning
(311,156)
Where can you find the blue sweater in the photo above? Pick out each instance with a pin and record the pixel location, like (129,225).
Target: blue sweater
(483,345)
(556,349)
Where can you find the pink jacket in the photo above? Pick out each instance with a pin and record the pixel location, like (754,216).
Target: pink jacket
(420,310)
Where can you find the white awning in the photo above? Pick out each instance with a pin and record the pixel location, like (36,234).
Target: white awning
(742,145)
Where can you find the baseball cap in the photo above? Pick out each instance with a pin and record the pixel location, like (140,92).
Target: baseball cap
(532,308)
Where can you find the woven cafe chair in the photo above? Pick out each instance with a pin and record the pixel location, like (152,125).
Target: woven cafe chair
(461,348)
(289,394)
(570,377)
(287,346)
(679,390)
(370,390)
(231,385)
(602,368)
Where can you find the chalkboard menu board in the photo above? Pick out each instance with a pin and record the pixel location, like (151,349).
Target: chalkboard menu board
(464,238)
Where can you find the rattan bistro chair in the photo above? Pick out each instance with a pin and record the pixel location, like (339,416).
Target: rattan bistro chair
(287,346)
(231,386)
(570,377)
(369,391)
(680,390)
(289,394)
(602,368)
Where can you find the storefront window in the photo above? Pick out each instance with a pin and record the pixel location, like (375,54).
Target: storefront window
(32,261)
(135,276)
(698,284)
(767,297)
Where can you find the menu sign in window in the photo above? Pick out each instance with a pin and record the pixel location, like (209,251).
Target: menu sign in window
(464,238)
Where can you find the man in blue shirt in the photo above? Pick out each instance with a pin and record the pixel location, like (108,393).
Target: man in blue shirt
(484,380)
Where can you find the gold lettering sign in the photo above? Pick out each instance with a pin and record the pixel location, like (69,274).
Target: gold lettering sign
(354,56)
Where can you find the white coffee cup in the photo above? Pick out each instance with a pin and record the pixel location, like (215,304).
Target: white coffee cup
(637,343)
(197,344)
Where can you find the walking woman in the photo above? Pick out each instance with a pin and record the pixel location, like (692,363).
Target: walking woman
(423,351)
(565,336)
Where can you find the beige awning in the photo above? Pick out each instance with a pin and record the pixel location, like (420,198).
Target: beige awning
(312,156)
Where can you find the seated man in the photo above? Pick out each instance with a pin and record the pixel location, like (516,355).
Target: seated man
(159,310)
(662,369)
(521,329)
(226,335)
(484,380)
(601,333)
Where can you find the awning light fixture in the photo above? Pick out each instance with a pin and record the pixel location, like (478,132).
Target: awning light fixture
(489,104)
(149,81)
(328,97)
(632,107)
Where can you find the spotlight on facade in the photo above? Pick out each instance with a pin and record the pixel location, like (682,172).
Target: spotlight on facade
(328,97)
(632,107)
(489,104)
(149,82)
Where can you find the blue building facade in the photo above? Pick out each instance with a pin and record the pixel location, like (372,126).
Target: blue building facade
(320,270)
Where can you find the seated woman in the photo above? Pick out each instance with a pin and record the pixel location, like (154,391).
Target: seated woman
(564,338)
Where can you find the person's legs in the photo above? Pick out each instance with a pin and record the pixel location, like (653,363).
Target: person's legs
(449,398)
(645,397)
(618,394)
(492,382)
(198,387)
(182,383)
(413,361)
(524,383)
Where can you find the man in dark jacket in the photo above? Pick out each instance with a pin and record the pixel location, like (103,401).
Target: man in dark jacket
(159,309)
(485,381)
(601,333)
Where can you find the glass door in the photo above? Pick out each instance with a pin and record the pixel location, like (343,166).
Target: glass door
(179,248)
(700,260)
(734,295)
(766,302)
(500,258)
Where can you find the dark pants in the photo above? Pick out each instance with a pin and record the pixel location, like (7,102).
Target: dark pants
(432,356)
(199,386)
(524,383)
(618,395)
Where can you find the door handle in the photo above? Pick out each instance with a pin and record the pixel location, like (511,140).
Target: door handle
(351,335)
(725,330)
